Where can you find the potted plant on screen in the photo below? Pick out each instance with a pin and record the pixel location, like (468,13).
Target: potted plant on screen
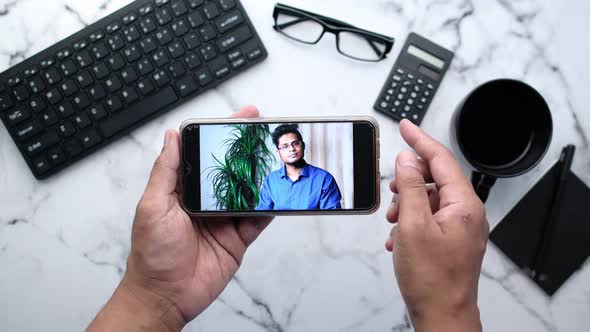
(237,179)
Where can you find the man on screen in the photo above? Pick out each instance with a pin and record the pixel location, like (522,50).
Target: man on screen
(297,185)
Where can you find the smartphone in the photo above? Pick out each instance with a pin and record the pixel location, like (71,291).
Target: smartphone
(280,166)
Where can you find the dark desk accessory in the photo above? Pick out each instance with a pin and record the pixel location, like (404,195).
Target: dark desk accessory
(308,28)
(414,79)
(547,233)
(97,85)
(503,129)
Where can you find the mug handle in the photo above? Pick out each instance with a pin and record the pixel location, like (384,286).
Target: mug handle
(482,183)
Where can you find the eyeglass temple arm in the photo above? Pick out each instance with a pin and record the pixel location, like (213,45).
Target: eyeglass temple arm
(288,24)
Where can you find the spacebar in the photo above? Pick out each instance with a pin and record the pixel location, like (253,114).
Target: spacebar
(146,107)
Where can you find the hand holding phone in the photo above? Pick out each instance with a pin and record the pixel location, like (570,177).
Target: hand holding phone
(278,166)
(177,264)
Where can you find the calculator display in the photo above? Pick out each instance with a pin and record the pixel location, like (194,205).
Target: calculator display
(423,55)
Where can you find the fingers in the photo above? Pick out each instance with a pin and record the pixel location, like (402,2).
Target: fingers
(413,198)
(424,169)
(393,211)
(442,164)
(247,112)
(164,176)
(389,241)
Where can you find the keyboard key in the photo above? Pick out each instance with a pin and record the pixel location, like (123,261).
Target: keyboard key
(28,130)
(114,104)
(129,75)
(17,116)
(186,86)
(211,11)
(134,114)
(176,69)
(148,45)
(69,88)
(84,79)
(207,33)
(145,86)
(56,156)
(80,44)
(160,3)
(21,93)
(36,85)
(66,109)
(144,66)
(164,36)
(53,96)
(204,76)
(101,71)
(82,101)
(98,112)
(254,53)
(100,51)
(83,58)
(178,8)
(129,18)
(97,92)
(48,62)
(234,38)
(195,20)
(41,165)
(220,67)
(73,147)
(129,95)
(113,83)
(90,138)
(96,36)
(161,78)
(41,143)
(192,41)
(66,129)
(176,50)
(131,34)
(68,68)
(14,80)
(37,104)
(238,63)
(29,72)
(115,42)
(179,28)
(192,61)
(208,52)
(147,25)
(5,102)
(82,120)
(50,118)
(229,21)
(52,76)
(64,53)
(113,27)
(163,16)
(116,62)
(146,9)
(160,58)
(132,53)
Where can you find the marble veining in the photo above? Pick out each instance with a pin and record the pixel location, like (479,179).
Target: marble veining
(67,238)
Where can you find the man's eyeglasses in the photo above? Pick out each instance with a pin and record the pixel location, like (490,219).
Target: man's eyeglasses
(295,144)
(351,41)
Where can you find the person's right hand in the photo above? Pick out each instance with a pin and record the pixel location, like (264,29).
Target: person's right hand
(440,237)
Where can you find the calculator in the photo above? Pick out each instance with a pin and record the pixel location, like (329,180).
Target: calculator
(414,79)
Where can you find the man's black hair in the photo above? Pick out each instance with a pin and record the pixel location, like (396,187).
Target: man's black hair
(285,129)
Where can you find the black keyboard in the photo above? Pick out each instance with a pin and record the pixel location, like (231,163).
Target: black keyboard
(91,88)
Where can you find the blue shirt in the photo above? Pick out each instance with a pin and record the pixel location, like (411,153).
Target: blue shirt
(314,189)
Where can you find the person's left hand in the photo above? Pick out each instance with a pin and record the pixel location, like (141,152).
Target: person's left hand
(177,265)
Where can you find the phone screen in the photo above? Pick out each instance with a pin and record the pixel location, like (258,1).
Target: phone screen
(280,166)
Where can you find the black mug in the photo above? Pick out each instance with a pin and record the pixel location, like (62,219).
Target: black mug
(503,128)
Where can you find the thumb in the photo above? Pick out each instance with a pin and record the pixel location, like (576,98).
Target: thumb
(165,171)
(413,197)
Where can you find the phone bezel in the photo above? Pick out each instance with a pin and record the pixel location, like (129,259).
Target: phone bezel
(187,168)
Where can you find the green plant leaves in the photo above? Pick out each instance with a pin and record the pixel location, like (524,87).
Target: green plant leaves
(237,179)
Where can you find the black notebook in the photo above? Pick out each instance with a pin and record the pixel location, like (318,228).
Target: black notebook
(519,234)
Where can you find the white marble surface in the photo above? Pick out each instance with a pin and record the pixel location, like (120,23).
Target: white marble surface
(63,242)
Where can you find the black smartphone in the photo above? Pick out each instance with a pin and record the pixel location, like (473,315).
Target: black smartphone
(280,166)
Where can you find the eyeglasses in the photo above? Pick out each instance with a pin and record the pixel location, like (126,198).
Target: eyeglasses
(307,27)
(294,144)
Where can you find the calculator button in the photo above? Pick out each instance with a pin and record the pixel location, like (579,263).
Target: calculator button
(426,93)
(387,98)
(417,88)
(394,85)
(400,96)
(397,78)
(413,95)
(420,81)
(430,86)
(390,92)
(420,107)
(393,110)
(410,76)
(407,108)
(410,101)
(403,90)
(383,104)
(406,83)
(403,115)
(415,117)
(423,100)
(400,71)
(396,103)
